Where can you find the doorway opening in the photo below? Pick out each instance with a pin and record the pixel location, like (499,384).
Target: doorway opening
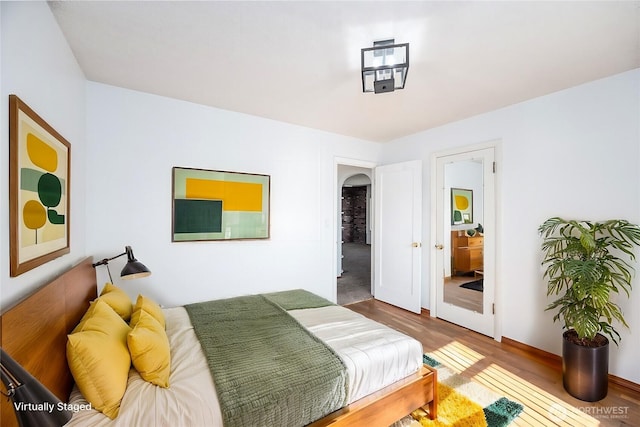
(354,255)
(394,235)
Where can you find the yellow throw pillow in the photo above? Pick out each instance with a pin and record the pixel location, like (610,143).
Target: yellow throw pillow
(102,318)
(100,367)
(118,300)
(99,358)
(87,315)
(148,305)
(99,315)
(150,352)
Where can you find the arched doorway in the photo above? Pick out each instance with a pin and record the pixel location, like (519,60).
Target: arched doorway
(354,264)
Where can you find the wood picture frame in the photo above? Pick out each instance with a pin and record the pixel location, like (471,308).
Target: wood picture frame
(219,205)
(39,183)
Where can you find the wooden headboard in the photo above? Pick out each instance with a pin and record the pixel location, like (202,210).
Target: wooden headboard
(34,331)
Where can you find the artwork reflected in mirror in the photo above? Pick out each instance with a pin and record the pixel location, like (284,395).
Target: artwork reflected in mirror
(461,206)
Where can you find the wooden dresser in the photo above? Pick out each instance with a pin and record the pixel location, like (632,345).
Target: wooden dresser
(467,252)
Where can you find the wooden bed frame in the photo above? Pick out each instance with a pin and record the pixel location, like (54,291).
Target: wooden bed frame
(34,333)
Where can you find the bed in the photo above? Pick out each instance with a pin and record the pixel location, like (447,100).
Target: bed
(34,333)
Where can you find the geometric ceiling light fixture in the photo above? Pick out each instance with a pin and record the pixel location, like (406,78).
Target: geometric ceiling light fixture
(384,66)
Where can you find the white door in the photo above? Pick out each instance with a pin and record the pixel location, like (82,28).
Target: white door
(459,260)
(397,234)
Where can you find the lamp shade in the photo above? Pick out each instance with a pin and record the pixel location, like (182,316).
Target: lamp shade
(33,403)
(133,269)
(384,66)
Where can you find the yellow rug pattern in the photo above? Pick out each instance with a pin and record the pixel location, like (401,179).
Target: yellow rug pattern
(463,403)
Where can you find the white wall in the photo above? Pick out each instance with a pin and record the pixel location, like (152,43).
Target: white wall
(573,154)
(134,140)
(38,66)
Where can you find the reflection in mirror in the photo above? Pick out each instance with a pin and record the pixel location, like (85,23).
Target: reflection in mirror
(464,234)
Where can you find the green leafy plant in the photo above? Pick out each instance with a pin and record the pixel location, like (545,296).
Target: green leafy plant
(585,262)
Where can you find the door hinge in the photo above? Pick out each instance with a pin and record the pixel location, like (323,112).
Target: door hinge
(494,167)
(493,308)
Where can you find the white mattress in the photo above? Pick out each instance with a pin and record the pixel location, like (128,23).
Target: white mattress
(375,356)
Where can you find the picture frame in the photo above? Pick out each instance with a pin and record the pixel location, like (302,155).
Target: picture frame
(213,205)
(39,190)
(461,206)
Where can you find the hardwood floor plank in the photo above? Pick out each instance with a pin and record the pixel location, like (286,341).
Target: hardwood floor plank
(465,298)
(530,378)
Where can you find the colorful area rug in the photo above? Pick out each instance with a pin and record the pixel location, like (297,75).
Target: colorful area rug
(462,402)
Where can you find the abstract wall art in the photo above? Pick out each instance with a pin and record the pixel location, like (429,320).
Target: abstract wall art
(219,205)
(461,206)
(39,168)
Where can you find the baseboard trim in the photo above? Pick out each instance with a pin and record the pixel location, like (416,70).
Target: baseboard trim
(542,356)
(555,361)
(621,382)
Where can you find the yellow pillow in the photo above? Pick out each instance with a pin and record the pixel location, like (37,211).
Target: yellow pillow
(118,300)
(149,348)
(99,358)
(102,312)
(102,318)
(148,305)
(100,368)
(87,315)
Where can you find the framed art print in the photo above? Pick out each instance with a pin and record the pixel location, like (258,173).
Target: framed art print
(219,205)
(39,169)
(461,206)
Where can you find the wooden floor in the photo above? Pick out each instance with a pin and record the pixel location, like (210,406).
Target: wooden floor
(533,381)
(462,297)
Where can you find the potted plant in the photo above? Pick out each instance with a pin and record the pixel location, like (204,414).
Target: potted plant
(586,263)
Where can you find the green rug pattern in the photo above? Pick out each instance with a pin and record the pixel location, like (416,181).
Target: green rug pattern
(463,402)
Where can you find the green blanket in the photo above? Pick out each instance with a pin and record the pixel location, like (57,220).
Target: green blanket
(297,299)
(268,370)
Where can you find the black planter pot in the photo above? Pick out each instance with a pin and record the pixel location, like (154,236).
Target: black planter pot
(585,370)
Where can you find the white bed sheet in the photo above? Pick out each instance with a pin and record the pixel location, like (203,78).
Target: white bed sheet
(375,356)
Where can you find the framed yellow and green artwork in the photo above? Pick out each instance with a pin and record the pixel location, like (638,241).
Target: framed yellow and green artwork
(219,205)
(39,164)
(461,206)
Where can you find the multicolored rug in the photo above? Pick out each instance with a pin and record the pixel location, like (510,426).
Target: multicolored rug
(462,402)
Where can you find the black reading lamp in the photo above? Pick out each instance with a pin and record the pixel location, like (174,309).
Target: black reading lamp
(33,403)
(134,269)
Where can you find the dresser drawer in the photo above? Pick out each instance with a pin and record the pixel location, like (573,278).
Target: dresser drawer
(474,241)
(476,259)
(467,252)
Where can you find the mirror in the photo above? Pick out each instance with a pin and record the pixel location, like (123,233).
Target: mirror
(464,234)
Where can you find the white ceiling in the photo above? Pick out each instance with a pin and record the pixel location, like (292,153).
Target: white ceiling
(299,62)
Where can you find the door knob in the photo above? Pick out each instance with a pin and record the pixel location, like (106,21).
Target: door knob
(416,244)
(439,247)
